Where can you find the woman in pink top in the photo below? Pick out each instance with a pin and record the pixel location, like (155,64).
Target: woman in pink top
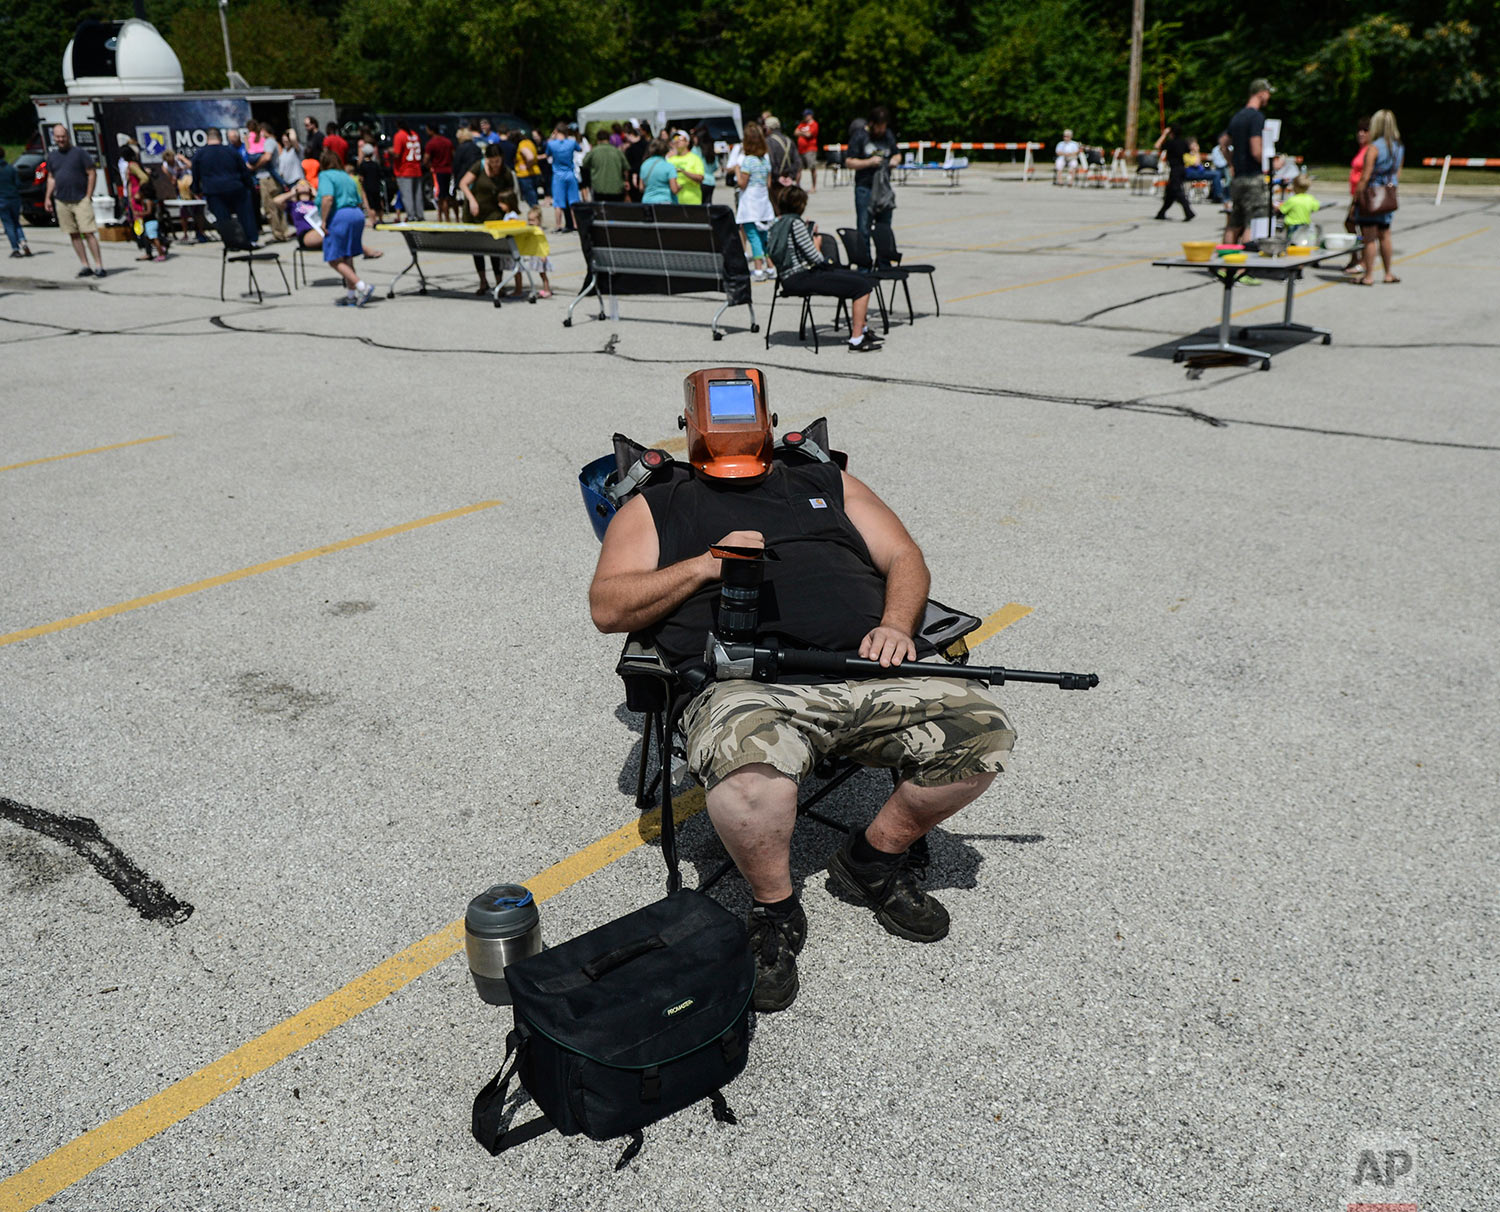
(1356,174)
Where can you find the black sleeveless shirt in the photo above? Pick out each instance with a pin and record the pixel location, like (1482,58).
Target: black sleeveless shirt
(823,592)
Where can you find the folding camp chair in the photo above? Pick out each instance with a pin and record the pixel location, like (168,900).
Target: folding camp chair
(237,249)
(657,691)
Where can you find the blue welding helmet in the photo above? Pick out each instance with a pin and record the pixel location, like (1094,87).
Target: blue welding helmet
(592,481)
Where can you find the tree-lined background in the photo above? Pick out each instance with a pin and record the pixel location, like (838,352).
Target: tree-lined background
(966,69)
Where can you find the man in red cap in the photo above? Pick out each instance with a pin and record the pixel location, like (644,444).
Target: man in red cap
(847,577)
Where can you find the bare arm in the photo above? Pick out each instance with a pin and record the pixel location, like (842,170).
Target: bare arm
(1224,149)
(897,558)
(629,591)
(468,193)
(1256,144)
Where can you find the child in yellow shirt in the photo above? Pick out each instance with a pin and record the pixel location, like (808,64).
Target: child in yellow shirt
(1298,210)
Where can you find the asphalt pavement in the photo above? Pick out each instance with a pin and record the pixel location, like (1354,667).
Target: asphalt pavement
(301,626)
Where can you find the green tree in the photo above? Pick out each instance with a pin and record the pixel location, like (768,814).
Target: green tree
(33,36)
(280,43)
(538,59)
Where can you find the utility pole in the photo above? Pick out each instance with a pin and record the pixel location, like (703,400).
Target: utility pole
(224,25)
(1133,102)
(235,79)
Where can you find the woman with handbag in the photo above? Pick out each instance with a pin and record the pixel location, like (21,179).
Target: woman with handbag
(1376,201)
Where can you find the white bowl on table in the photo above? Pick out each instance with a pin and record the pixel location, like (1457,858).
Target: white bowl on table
(1341,241)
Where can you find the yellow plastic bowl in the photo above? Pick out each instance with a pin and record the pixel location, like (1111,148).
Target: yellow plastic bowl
(1198,250)
(1234,258)
(1299,250)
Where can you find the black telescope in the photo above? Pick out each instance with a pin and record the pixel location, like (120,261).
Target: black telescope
(766,661)
(734,652)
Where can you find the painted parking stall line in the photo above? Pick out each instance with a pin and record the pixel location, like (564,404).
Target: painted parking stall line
(74,454)
(182,591)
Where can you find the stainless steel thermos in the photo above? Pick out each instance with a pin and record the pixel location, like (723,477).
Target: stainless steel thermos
(501,926)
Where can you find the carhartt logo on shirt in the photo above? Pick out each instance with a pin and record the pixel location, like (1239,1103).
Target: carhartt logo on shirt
(817,502)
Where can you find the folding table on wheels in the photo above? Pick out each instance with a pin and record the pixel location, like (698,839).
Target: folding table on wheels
(1276,269)
(499,238)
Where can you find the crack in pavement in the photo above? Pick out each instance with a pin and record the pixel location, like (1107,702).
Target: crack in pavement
(147,896)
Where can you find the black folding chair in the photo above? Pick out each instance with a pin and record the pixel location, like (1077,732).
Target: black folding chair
(783,291)
(886,250)
(829,249)
(857,247)
(299,264)
(237,249)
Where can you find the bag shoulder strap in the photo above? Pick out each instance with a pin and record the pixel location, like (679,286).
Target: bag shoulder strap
(488,1122)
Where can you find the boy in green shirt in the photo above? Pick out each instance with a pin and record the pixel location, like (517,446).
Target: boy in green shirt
(1298,209)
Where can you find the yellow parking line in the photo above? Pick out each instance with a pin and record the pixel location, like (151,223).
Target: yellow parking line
(1312,290)
(1077,273)
(80,1157)
(161,437)
(1010,613)
(166,595)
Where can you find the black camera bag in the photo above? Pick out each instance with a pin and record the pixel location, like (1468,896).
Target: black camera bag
(626,1024)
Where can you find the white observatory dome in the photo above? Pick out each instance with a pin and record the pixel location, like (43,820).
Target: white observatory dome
(120,59)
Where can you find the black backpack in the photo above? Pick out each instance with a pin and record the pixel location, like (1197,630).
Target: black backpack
(626,1024)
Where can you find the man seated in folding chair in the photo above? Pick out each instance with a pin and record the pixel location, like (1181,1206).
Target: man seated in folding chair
(846,576)
(803,270)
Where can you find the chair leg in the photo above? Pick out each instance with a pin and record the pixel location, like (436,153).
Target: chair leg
(841,316)
(771,319)
(937,308)
(254,285)
(813,322)
(668,824)
(802,318)
(885,316)
(282,272)
(223,270)
(640,778)
(911,315)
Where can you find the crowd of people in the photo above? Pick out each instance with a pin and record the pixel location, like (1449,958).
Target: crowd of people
(321,187)
(1249,188)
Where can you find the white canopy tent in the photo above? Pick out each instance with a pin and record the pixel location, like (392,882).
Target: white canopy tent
(659,102)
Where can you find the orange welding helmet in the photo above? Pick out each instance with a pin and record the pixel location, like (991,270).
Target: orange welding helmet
(728,423)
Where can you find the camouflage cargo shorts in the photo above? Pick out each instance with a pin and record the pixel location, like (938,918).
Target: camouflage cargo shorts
(931,730)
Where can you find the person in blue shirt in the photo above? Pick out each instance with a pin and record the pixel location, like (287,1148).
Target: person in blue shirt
(10,208)
(658,177)
(343,227)
(565,192)
(223,180)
